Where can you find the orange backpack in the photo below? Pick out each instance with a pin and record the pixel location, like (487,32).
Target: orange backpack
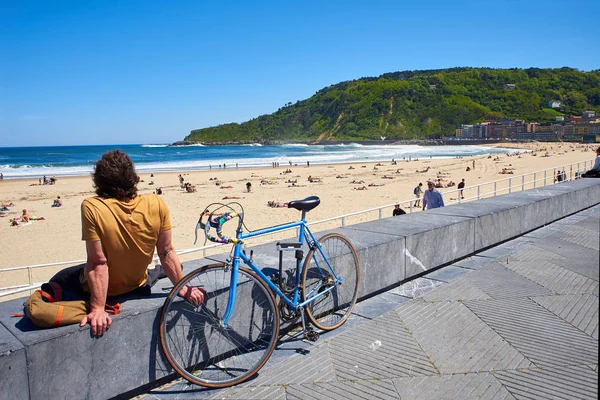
(48,310)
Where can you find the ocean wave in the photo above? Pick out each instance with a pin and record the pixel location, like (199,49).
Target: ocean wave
(190,145)
(295,145)
(252,145)
(345,145)
(154,145)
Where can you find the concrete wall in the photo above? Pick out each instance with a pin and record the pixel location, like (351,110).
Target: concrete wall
(68,363)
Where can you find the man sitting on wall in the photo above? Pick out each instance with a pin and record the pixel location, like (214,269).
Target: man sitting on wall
(121,229)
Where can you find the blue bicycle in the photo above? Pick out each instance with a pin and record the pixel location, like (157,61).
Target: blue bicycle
(232,334)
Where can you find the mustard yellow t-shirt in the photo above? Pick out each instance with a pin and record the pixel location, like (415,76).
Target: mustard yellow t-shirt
(128,231)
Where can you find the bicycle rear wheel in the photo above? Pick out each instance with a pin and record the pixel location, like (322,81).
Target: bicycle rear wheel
(200,348)
(330,310)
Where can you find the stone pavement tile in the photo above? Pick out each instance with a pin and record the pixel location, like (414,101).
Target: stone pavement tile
(502,250)
(459,386)
(500,282)
(346,390)
(582,236)
(294,343)
(378,305)
(315,366)
(473,262)
(554,277)
(571,382)
(456,340)
(580,259)
(542,232)
(378,349)
(533,253)
(541,336)
(448,273)
(460,289)
(416,287)
(591,223)
(580,310)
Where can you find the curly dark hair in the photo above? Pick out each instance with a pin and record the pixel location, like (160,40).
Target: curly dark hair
(115,177)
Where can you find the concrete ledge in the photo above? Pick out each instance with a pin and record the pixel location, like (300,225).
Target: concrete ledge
(68,363)
(13,367)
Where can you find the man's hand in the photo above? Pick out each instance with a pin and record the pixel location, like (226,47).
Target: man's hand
(194,295)
(99,320)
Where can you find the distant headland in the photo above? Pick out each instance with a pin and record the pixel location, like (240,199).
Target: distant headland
(420,105)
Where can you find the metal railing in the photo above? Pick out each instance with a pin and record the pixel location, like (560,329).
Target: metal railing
(511,184)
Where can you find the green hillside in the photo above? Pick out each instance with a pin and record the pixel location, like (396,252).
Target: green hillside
(403,105)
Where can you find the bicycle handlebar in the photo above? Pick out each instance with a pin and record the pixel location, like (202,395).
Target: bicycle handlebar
(217,222)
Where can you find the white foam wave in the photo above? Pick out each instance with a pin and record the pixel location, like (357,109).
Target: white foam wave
(154,145)
(295,145)
(191,145)
(252,145)
(347,145)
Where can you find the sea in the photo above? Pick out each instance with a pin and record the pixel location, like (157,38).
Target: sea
(61,161)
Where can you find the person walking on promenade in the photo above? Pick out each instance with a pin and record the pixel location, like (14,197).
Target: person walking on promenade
(432,197)
(418,192)
(121,229)
(461,187)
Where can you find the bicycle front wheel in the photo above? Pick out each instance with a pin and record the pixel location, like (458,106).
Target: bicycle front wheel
(195,341)
(332,301)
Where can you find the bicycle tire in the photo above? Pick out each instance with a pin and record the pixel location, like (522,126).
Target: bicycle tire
(332,309)
(194,340)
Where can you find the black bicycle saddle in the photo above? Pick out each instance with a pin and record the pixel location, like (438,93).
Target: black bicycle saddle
(305,205)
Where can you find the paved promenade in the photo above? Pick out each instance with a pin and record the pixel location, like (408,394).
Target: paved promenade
(518,321)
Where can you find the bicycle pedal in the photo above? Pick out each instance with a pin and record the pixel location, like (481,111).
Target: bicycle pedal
(311,335)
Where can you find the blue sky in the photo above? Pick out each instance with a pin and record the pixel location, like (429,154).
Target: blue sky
(117,71)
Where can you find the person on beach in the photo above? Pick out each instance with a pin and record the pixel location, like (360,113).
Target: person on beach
(57,202)
(276,204)
(432,197)
(248,187)
(418,191)
(25,218)
(461,187)
(121,229)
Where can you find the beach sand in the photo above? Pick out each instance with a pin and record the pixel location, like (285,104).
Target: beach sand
(58,237)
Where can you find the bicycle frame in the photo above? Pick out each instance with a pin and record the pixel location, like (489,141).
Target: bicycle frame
(305,236)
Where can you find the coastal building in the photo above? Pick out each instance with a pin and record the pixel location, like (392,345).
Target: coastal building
(559,118)
(432,87)
(510,86)
(576,129)
(575,119)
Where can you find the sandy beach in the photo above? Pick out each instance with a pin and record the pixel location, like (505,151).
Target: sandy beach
(57,238)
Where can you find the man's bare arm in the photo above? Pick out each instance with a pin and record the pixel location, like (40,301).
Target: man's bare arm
(96,269)
(172,267)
